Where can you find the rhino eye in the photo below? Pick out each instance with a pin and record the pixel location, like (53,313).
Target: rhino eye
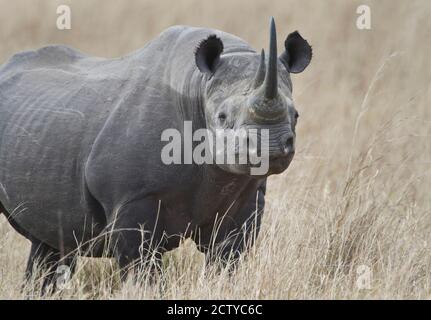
(222,117)
(296,115)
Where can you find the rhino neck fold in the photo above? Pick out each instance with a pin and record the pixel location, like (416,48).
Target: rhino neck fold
(217,191)
(189,100)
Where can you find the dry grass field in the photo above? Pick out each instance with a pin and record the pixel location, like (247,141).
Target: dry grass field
(351,217)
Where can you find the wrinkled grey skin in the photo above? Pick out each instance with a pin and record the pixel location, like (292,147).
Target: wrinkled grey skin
(80,148)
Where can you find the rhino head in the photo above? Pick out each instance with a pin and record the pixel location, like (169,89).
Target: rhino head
(246,91)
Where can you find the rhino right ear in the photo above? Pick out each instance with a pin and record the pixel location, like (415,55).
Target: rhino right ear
(207,54)
(298,53)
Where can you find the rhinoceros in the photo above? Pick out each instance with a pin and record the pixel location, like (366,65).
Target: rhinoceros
(80,146)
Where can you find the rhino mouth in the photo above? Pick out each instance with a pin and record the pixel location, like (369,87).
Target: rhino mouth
(274,166)
(280,164)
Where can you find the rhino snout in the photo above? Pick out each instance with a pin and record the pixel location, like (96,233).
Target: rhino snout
(281,146)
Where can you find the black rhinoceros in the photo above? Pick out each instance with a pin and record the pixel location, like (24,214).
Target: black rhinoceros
(80,145)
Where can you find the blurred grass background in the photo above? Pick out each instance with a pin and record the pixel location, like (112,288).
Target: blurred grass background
(358,190)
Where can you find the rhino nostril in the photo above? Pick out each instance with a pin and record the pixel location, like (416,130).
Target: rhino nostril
(288,145)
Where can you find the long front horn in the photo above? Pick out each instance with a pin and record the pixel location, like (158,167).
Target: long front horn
(270,83)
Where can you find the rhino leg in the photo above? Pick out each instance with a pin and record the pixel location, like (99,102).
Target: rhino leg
(45,260)
(136,237)
(228,251)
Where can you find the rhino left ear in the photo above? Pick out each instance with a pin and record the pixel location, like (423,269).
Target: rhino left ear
(298,53)
(207,54)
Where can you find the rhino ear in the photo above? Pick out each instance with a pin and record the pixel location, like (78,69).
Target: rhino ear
(207,54)
(297,54)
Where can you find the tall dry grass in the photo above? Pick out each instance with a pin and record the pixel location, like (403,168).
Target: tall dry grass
(357,195)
